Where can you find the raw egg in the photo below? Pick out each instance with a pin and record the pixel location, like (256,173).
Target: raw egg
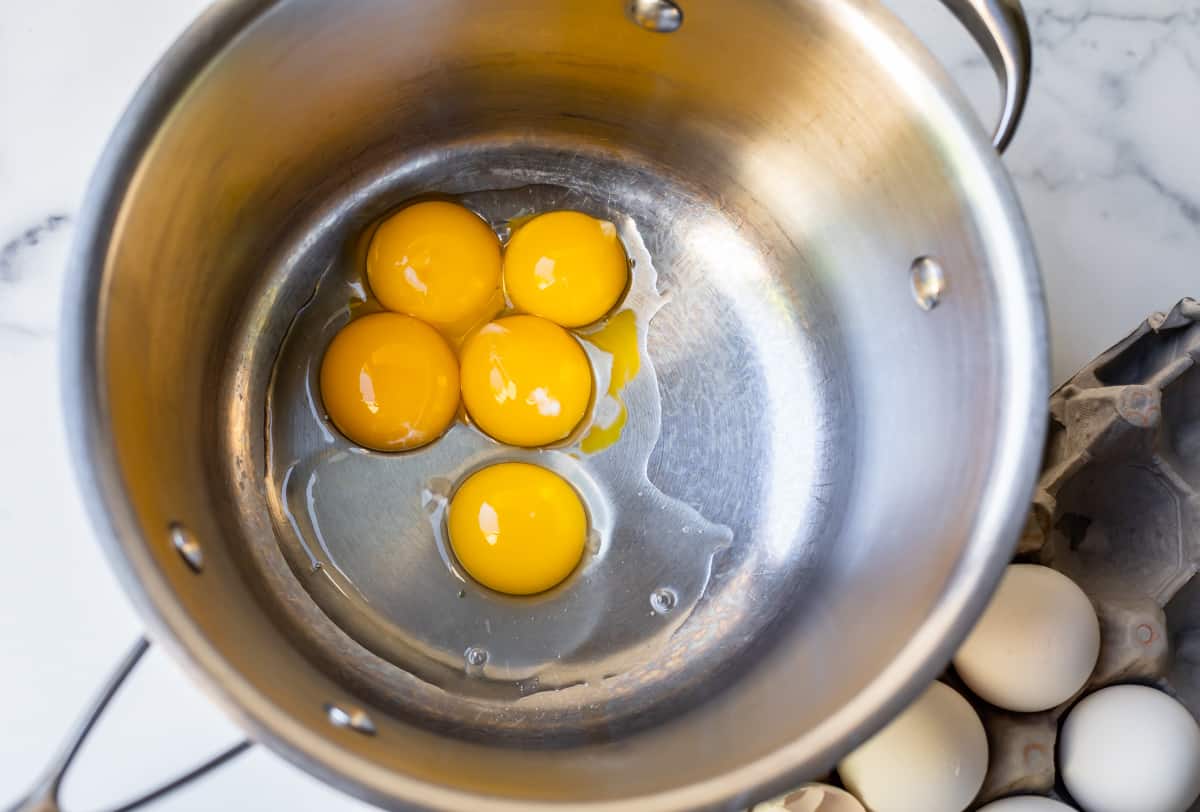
(931,758)
(437,261)
(1130,748)
(517,528)
(567,267)
(390,382)
(1036,644)
(525,381)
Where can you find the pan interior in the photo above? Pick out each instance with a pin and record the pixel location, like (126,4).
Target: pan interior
(728,413)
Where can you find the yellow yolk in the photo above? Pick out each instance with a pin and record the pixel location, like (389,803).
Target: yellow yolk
(619,339)
(525,381)
(439,262)
(517,528)
(567,267)
(390,382)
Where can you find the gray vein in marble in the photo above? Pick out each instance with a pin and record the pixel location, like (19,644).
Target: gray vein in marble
(1116,84)
(23,331)
(1053,27)
(26,280)
(11,267)
(1073,21)
(1128,166)
(1126,160)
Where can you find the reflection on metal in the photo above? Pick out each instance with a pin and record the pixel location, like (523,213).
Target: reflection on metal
(659,16)
(355,718)
(186,545)
(928,282)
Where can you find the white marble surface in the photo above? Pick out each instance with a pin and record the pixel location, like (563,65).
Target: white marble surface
(1108,169)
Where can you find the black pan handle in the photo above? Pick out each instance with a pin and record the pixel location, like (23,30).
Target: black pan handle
(44,795)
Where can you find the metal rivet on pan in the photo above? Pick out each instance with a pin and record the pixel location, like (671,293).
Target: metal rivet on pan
(475,657)
(659,16)
(354,718)
(928,282)
(663,600)
(187,546)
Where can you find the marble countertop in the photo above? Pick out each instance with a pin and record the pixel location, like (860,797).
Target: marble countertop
(1106,166)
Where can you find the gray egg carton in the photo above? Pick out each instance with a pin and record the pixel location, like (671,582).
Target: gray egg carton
(1117,509)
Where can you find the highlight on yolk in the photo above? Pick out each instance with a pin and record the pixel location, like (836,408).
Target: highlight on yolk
(619,339)
(390,382)
(525,381)
(437,261)
(567,267)
(517,528)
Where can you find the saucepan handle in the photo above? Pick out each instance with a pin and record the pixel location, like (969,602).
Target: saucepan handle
(1001,30)
(44,796)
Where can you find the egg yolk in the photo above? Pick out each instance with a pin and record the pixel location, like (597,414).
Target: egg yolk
(567,267)
(525,381)
(517,528)
(390,382)
(437,261)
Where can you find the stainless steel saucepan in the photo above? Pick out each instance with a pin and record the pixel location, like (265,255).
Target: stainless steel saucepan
(851,372)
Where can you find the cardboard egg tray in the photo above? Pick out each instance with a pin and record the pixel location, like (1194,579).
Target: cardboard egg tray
(1117,508)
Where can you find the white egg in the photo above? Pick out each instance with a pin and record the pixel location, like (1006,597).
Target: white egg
(812,798)
(1026,803)
(1036,644)
(1130,748)
(931,758)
